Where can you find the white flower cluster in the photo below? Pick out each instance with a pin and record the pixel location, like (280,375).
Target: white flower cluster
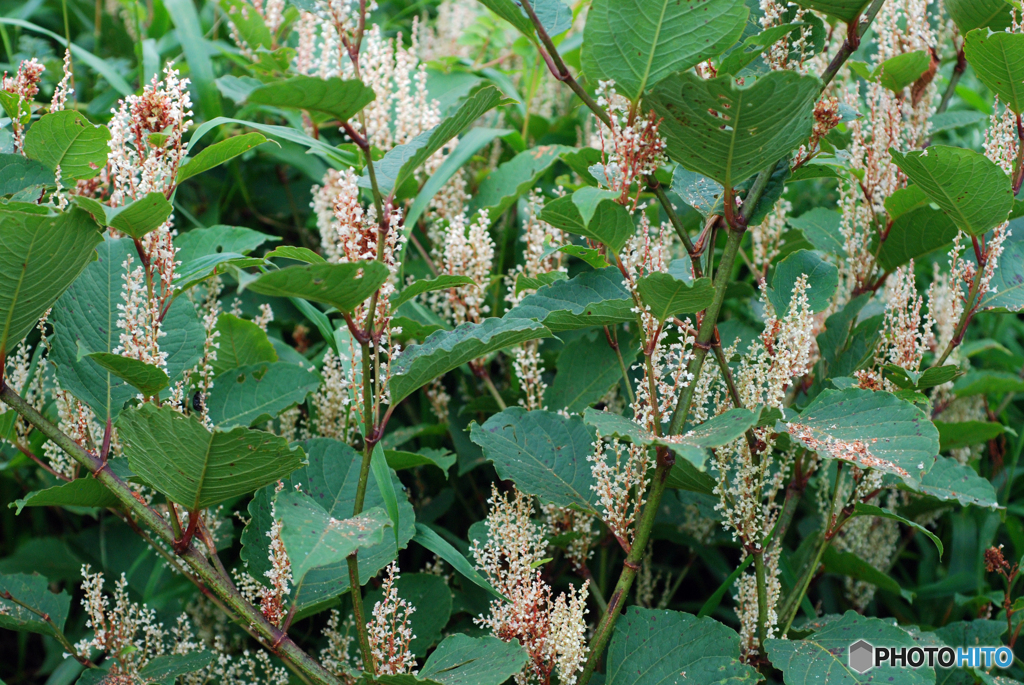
(552,631)
(389,631)
(468,251)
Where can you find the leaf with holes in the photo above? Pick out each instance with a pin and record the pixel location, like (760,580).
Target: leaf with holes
(544,453)
(68,140)
(195,468)
(637,43)
(969,187)
(868,429)
(41,254)
(729,133)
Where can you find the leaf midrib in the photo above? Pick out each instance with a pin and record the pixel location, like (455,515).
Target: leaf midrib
(650,55)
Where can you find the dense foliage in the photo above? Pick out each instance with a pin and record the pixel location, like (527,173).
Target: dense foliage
(459,343)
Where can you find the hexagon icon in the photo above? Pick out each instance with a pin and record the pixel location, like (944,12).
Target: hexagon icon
(861,656)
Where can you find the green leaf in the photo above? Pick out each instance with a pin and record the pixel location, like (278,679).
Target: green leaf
(85,317)
(433,601)
(197,51)
(948,121)
(512,13)
(242,343)
(313,538)
(850,565)
(896,73)
(342,286)
(504,185)
(969,187)
(32,591)
(146,378)
(988,383)
(753,47)
(974,14)
(861,509)
(200,242)
(728,133)
(667,296)
(821,228)
(443,351)
(382,477)
(195,468)
(67,139)
(258,392)
(299,254)
(330,478)
(869,429)
(1008,280)
(998,60)
(340,156)
(424,285)
(136,219)
(685,476)
(692,446)
(338,98)
(465,660)
(166,668)
(426,537)
(402,161)
(543,452)
(822,656)
(587,367)
(949,480)
(929,378)
(966,433)
(218,153)
(593,213)
(659,646)
(697,190)
(822,277)
(977,633)
(637,43)
(844,10)
(40,256)
(916,229)
(400,460)
(82,492)
(593,298)
(18,173)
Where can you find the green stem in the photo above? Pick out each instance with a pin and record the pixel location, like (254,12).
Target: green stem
(954,78)
(762,598)
(355,586)
(965,318)
(271,636)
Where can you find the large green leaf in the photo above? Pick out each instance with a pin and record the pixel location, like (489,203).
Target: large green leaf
(692,446)
(998,60)
(822,277)
(587,367)
(869,429)
(258,392)
(844,10)
(637,43)
(200,242)
(313,538)
(195,468)
(343,286)
(666,296)
(916,229)
(241,343)
(949,480)
(659,646)
(593,298)
(729,133)
(81,492)
(166,668)
(443,351)
(146,378)
(465,660)
(34,600)
(543,452)
(967,185)
(218,153)
(974,14)
(18,173)
(85,318)
(330,478)
(896,73)
(593,213)
(966,433)
(41,254)
(67,139)
(336,97)
(504,185)
(822,656)
(821,228)
(136,218)
(433,601)
(402,161)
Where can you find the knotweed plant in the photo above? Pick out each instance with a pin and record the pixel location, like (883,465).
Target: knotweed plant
(541,342)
